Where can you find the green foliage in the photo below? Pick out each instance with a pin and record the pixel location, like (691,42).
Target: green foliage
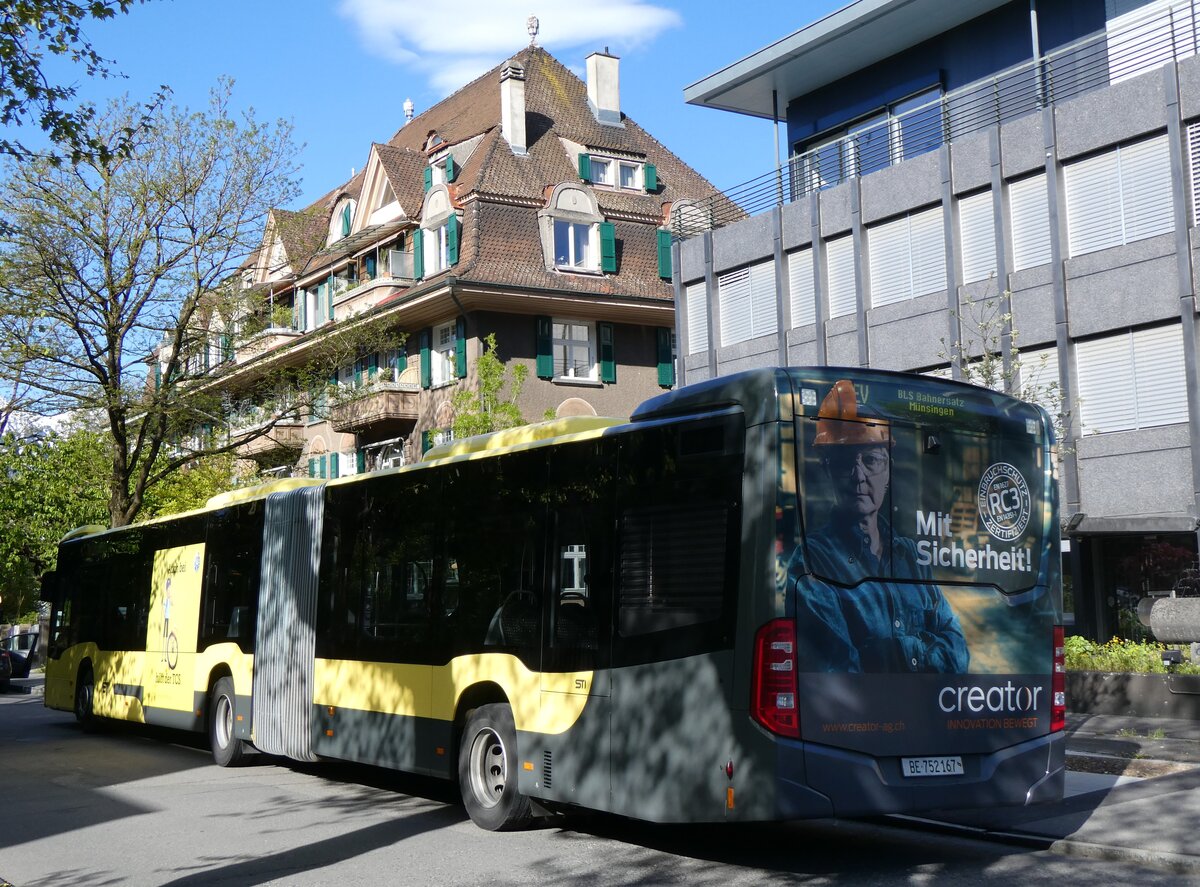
(30,29)
(192,486)
(51,484)
(485,410)
(1121,656)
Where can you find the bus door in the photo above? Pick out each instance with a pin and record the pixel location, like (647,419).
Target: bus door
(577,640)
(169,670)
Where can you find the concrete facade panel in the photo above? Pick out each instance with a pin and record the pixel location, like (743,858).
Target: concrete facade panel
(1022,146)
(842,350)
(797,224)
(835,210)
(1105,117)
(744,243)
(1122,296)
(1153,467)
(915,342)
(898,189)
(1189,87)
(691,260)
(971,162)
(1033,316)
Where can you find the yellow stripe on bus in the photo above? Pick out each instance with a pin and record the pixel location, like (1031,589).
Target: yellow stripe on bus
(540,703)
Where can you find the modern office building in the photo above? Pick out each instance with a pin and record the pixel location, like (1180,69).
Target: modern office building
(1024,168)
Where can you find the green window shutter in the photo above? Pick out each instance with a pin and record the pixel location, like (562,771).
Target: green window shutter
(418,254)
(312,467)
(372,365)
(545,351)
(322,468)
(301,309)
(204,357)
(608,247)
(401,359)
(666,361)
(664,253)
(650,177)
(360,462)
(329,296)
(426,362)
(428,177)
(585,167)
(451,169)
(426,441)
(358,373)
(369,266)
(157,375)
(333,465)
(608,363)
(346,220)
(453,228)
(226,347)
(460,347)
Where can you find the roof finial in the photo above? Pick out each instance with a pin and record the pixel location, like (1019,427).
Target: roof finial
(408,110)
(532,25)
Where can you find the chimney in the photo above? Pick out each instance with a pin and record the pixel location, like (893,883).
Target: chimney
(604,87)
(512,105)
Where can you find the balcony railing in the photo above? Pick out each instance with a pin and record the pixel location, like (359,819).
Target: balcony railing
(379,401)
(1132,44)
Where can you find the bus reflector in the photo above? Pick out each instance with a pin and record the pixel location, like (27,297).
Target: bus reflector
(1058,683)
(729,799)
(773,682)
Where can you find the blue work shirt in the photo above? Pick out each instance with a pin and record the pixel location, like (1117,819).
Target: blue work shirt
(871,624)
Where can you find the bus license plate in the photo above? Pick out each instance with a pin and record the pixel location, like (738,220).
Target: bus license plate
(949,765)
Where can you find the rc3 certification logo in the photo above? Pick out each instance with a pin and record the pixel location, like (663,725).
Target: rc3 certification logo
(1004,501)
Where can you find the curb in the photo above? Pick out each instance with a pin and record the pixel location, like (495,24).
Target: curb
(1175,863)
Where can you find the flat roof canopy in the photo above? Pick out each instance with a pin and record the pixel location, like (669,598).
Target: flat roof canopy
(858,35)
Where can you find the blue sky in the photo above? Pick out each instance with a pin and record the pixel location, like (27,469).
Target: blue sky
(340,71)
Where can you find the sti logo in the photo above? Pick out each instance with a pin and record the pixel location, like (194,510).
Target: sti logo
(1003,501)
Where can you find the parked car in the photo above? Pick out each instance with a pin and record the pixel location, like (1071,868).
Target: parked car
(21,649)
(5,669)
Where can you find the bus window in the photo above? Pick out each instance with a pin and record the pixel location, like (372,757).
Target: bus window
(233,561)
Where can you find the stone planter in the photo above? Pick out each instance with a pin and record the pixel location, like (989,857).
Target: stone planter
(1136,695)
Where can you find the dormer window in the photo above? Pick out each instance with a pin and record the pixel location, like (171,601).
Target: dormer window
(575,236)
(441,171)
(341,222)
(618,173)
(435,243)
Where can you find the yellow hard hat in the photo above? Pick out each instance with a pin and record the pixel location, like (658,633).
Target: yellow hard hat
(838,421)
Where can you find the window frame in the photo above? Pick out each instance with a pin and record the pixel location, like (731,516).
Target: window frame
(441,354)
(572,344)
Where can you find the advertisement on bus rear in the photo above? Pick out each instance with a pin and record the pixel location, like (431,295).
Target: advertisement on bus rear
(923,569)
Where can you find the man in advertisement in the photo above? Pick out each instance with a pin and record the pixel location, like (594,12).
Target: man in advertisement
(884,614)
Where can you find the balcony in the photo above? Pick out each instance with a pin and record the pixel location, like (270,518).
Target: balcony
(267,340)
(1132,44)
(287,436)
(381,401)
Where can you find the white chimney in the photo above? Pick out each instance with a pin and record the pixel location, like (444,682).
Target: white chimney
(512,105)
(604,87)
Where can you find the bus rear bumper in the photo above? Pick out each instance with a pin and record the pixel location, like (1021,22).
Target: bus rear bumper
(1030,772)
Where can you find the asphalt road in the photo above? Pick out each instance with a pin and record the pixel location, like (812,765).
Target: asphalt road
(135,806)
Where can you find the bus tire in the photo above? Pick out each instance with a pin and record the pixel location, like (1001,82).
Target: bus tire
(85,697)
(487,770)
(227,749)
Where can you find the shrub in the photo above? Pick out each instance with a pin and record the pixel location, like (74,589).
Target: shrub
(1118,655)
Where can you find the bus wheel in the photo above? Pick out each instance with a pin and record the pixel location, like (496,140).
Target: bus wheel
(85,695)
(487,770)
(227,750)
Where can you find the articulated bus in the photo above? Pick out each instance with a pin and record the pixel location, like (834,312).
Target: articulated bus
(780,594)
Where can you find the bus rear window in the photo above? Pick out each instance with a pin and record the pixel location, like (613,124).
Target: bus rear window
(885,500)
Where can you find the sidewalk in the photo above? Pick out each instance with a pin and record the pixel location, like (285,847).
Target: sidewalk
(1133,795)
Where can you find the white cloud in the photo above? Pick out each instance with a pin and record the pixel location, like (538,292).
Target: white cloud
(453,44)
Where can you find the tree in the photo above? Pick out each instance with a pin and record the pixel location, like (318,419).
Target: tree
(50,482)
(484,410)
(108,261)
(988,355)
(29,29)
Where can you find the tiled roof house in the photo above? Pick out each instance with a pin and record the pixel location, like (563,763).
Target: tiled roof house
(525,205)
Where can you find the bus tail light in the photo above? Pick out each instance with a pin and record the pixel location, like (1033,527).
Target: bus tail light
(773,701)
(1058,683)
